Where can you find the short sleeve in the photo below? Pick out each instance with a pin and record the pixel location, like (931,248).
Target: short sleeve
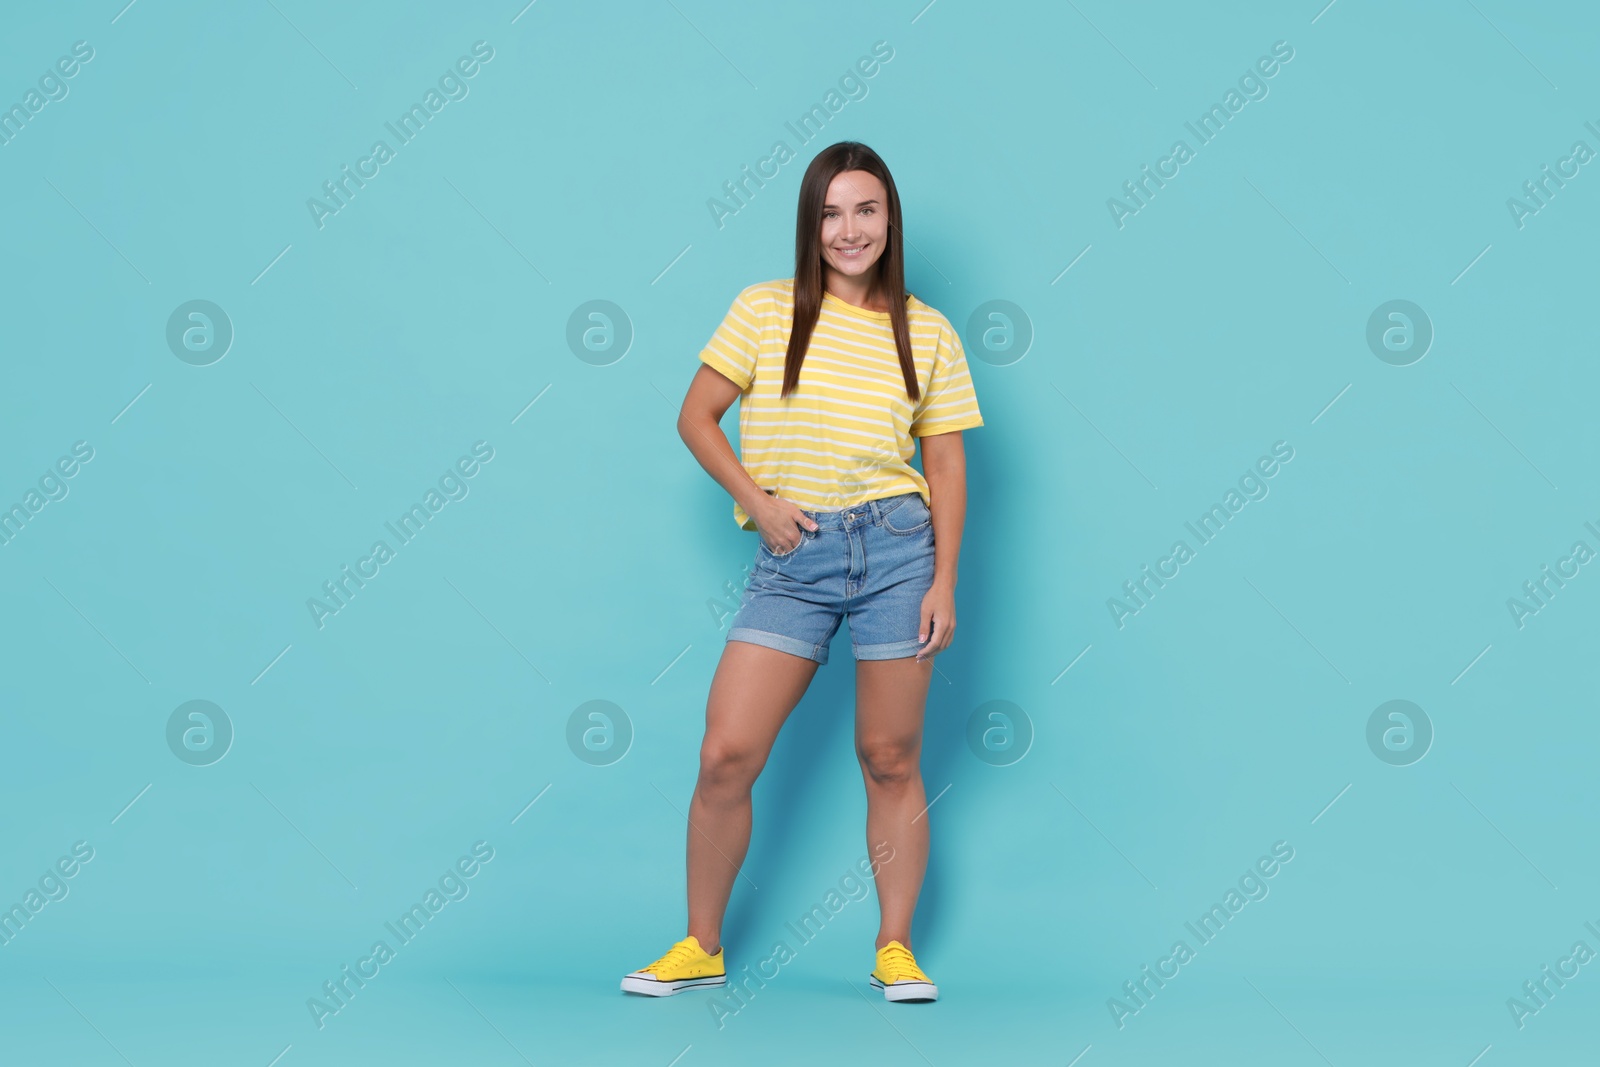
(733,348)
(949,403)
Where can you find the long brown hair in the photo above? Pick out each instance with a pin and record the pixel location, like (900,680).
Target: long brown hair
(891,265)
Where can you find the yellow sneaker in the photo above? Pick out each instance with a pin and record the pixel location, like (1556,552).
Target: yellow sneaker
(898,975)
(685,966)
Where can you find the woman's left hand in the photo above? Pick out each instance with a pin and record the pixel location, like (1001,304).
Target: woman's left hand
(939,619)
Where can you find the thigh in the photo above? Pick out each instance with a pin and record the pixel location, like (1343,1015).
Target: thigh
(891,698)
(752,693)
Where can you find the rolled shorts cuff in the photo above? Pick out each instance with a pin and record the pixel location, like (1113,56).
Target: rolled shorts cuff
(792,645)
(890,650)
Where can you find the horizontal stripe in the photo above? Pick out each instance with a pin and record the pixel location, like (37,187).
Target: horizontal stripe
(845,435)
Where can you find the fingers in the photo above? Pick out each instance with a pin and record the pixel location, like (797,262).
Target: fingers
(929,633)
(942,632)
(798,516)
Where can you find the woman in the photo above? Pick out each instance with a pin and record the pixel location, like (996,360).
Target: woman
(837,371)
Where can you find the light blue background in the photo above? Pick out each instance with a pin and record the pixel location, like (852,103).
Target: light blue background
(585,562)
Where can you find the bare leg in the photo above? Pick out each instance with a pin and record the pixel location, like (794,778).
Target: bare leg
(752,693)
(891,696)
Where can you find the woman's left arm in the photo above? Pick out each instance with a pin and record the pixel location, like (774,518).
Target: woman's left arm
(944,466)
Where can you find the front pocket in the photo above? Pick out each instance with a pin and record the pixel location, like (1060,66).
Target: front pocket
(781,555)
(909,517)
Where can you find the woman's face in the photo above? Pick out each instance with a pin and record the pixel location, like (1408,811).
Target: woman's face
(855,222)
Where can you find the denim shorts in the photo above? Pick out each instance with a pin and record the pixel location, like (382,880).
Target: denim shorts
(872,562)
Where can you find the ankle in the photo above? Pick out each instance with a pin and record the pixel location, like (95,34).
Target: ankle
(710,945)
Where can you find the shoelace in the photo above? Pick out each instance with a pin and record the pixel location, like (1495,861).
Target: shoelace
(677,955)
(899,963)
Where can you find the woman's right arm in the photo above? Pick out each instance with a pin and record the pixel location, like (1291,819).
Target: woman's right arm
(700,425)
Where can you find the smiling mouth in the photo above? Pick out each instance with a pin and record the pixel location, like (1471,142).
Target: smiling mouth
(850,253)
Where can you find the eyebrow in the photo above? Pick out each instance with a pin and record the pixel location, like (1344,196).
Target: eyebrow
(863,203)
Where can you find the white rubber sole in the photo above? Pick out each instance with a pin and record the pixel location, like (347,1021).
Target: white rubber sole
(906,990)
(648,984)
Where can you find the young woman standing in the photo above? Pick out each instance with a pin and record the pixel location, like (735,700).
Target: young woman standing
(838,371)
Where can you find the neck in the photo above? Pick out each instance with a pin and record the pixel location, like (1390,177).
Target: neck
(859,290)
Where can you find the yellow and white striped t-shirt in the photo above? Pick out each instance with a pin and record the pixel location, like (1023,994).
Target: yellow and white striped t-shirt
(844,436)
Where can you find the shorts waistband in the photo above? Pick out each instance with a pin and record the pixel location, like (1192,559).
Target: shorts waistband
(865,513)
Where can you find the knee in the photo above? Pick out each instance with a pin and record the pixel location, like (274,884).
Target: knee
(889,762)
(727,768)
